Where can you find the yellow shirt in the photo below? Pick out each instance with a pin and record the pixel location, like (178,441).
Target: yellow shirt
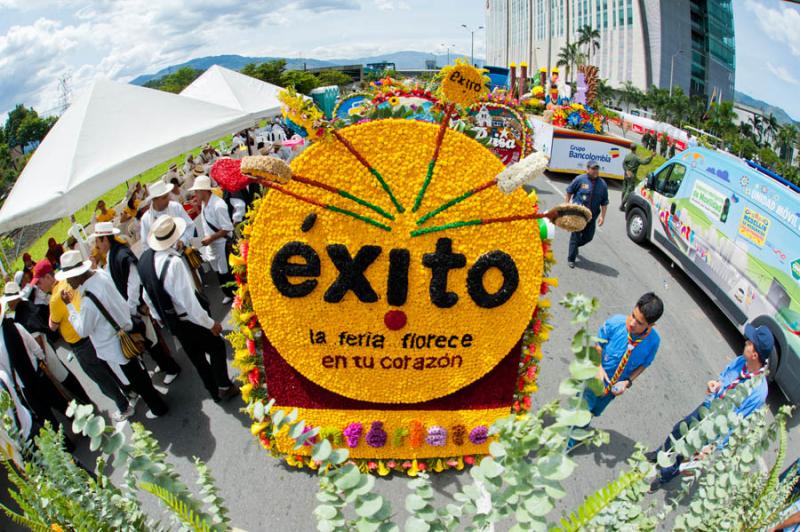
(59,313)
(107,217)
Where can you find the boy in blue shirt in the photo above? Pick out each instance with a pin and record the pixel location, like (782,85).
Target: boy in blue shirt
(630,346)
(752,362)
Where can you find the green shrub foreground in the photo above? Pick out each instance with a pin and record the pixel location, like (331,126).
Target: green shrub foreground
(517,486)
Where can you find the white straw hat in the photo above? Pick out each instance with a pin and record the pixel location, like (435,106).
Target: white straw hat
(72,265)
(11,293)
(203,182)
(104,229)
(158,189)
(165,231)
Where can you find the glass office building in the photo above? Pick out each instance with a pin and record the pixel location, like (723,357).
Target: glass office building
(646,42)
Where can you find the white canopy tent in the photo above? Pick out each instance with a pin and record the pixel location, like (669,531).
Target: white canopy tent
(221,86)
(109,134)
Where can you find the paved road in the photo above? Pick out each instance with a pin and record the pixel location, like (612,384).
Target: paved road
(697,342)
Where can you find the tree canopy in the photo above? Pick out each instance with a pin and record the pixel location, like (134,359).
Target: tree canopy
(176,81)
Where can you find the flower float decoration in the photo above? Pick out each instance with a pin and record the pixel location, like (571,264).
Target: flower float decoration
(383,304)
(577,116)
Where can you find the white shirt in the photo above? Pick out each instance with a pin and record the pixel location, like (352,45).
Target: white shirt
(175,210)
(23,414)
(89,322)
(177,282)
(134,285)
(239,210)
(34,352)
(216,212)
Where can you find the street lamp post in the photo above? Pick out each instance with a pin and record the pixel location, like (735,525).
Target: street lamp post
(472,49)
(448,46)
(672,70)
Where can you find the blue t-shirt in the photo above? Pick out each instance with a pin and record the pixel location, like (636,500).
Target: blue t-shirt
(616,336)
(583,189)
(755,400)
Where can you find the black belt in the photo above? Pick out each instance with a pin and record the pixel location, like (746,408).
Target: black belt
(82,341)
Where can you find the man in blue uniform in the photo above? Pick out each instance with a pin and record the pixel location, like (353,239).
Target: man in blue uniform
(752,362)
(591,191)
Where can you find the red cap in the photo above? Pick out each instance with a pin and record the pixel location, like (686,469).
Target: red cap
(40,269)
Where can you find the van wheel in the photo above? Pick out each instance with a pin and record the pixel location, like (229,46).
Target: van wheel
(773,362)
(637,225)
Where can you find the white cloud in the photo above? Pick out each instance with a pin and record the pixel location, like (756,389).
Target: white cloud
(121,39)
(779,23)
(782,73)
(391,5)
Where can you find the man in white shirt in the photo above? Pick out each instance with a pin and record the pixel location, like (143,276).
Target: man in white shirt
(121,266)
(170,294)
(217,228)
(19,357)
(99,296)
(160,204)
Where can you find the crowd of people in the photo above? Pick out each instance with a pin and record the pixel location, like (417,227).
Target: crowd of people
(109,307)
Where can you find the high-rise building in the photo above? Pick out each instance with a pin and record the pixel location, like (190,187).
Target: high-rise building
(646,42)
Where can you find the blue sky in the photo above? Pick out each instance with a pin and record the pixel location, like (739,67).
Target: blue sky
(41,40)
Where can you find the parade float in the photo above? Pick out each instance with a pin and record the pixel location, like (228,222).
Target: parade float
(392,286)
(568,128)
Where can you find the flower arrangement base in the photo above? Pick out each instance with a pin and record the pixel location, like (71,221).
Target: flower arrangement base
(395,317)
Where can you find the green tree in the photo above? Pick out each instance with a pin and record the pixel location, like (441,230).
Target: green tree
(302,80)
(590,38)
(719,119)
(569,57)
(269,71)
(333,77)
(33,128)
(13,122)
(758,128)
(788,137)
(176,81)
(771,128)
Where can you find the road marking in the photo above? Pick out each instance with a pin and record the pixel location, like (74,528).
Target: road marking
(555,188)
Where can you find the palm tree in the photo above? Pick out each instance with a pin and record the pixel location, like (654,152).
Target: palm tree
(771,127)
(629,95)
(590,38)
(568,57)
(758,127)
(787,138)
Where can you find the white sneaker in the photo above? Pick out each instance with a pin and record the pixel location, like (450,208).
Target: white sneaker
(119,416)
(226,300)
(150,415)
(169,377)
(133,399)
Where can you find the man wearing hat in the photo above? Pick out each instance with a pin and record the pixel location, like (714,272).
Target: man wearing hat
(24,313)
(751,363)
(100,304)
(170,294)
(20,356)
(217,228)
(591,191)
(94,368)
(121,265)
(630,166)
(172,173)
(160,204)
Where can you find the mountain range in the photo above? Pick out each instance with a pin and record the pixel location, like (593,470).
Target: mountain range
(780,115)
(402,60)
(408,60)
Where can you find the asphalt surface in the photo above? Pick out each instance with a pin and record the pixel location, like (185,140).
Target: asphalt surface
(696,343)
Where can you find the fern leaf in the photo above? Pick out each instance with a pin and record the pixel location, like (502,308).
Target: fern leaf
(599,500)
(21,520)
(178,507)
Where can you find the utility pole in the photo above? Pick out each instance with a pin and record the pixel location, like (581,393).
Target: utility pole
(472,33)
(672,70)
(64,92)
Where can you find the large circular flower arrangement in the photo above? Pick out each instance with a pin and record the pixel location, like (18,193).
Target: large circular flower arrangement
(393,295)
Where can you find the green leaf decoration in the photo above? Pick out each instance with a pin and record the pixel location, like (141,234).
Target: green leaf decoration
(369,505)
(322,451)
